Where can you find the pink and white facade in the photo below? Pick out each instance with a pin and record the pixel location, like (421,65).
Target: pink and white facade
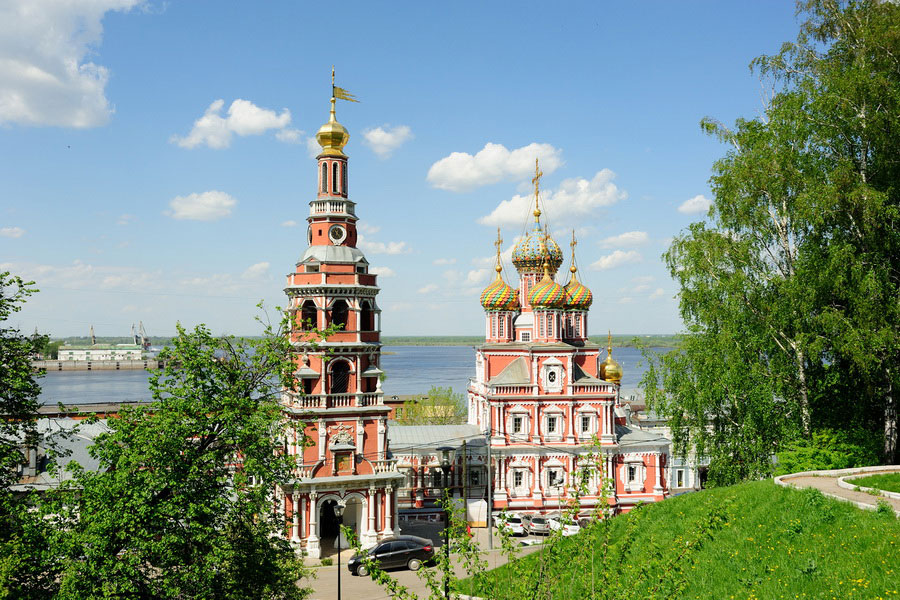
(337,402)
(544,392)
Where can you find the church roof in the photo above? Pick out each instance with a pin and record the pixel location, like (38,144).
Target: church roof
(410,437)
(333,254)
(515,373)
(628,436)
(579,377)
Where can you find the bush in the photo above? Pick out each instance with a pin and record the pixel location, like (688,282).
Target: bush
(827,449)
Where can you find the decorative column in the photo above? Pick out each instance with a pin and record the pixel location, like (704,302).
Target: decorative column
(312,542)
(388,506)
(295,504)
(370,536)
(658,487)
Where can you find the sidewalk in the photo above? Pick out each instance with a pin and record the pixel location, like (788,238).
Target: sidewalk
(827,483)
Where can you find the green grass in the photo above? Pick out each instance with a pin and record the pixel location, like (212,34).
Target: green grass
(775,543)
(889,482)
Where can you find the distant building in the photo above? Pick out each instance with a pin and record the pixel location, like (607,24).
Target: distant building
(101,352)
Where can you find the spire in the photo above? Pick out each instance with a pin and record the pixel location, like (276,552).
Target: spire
(573,269)
(333,136)
(498,244)
(536,180)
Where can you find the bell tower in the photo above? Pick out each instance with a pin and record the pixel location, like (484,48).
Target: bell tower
(336,397)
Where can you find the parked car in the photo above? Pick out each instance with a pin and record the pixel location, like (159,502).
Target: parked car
(401,551)
(568,527)
(537,524)
(512,523)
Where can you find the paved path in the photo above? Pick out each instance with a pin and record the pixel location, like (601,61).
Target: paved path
(826,482)
(325,583)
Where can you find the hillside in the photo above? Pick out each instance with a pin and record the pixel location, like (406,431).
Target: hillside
(774,543)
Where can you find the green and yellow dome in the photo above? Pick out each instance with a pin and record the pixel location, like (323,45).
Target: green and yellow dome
(578,297)
(537,248)
(499,296)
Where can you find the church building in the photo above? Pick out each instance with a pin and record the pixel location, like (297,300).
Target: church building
(337,401)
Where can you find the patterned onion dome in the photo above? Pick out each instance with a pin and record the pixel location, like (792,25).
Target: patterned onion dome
(547,294)
(529,254)
(578,297)
(499,296)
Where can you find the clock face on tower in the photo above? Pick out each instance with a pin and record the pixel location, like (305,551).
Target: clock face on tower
(336,234)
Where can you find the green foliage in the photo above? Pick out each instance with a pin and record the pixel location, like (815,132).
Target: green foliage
(442,406)
(887,482)
(181,506)
(774,542)
(826,449)
(789,290)
(884,509)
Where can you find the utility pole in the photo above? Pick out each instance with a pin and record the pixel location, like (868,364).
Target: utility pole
(465,478)
(490,488)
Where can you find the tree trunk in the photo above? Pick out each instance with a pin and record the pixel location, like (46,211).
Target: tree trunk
(804,389)
(890,424)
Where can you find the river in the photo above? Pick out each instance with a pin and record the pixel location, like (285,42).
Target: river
(410,370)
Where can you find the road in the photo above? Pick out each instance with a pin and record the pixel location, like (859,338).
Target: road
(325,583)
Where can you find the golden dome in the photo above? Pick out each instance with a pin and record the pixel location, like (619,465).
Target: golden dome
(333,136)
(609,368)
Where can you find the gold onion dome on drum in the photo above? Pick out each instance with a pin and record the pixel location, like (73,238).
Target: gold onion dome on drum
(609,368)
(499,295)
(578,296)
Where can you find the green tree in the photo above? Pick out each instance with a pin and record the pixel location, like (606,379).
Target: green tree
(790,292)
(182,504)
(442,406)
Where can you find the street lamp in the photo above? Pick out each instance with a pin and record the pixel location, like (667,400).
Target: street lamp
(446,461)
(339,514)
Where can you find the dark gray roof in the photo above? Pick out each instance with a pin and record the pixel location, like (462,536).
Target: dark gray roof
(579,376)
(429,437)
(515,373)
(628,436)
(74,443)
(333,254)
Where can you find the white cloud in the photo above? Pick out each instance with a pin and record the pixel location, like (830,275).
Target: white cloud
(461,171)
(244,118)
(444,261)
(382,271)
(206,206)
(289,223)
(697,204)
(626,300)
(629,238)
(573,200)
(382,247)
(657,293)
(616,259)
(12,232)
(369,228)
(125,219)
(257,271)
(44,78)
(427,289)
(384,140)
(312,147)
(642,279)
(476,276)
(289,136)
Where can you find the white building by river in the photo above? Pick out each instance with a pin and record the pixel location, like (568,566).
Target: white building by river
(101,352)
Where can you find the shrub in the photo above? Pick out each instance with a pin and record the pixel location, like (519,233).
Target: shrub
(827,449)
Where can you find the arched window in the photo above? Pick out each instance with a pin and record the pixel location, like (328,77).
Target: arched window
(324,177)
(340,377)
(308,316)
(367,318)
(334,178)
(339,313)
(500,321)
(344,180)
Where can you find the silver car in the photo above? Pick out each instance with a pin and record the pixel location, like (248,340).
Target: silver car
(537,524)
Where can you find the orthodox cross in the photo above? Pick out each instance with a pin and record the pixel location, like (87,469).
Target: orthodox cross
(537,183)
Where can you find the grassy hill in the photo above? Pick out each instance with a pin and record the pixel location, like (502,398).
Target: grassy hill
(773,543)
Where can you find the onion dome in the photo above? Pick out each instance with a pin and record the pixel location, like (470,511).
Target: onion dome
(528,254)
(538,247)
(609,368)
(498,295)
(547,293)
(578,296)
(333,136)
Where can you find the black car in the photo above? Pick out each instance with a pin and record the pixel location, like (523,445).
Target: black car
(400,551)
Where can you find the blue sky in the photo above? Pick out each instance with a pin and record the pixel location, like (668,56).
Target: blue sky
(156,162)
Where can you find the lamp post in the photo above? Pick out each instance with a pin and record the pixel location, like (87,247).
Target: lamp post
(446,461)
(339,514)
